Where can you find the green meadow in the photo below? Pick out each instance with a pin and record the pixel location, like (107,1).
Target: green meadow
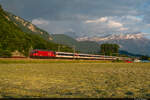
(73,79)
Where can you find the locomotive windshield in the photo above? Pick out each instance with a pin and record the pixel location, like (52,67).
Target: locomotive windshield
(34,52)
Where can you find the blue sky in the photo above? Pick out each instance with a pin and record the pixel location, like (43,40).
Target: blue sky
(85,17)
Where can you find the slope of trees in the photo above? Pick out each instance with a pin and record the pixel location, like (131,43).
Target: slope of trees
(24,26)
(109,49)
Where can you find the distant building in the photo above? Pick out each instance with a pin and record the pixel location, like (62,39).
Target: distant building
(17,54)
(137,60)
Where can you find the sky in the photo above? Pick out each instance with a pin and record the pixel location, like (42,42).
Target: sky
(84,17)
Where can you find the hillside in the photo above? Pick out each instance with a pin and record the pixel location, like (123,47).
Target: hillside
(13,39)
(83,46)
(28,27)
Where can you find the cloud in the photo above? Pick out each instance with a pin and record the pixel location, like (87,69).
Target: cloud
(134,18)
(106,23)
(95,27)
(40,21)
(123,29)
(85,17)
(103,19)
(72,9)
(114,24)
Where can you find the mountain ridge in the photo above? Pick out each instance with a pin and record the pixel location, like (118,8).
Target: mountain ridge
(114,37)
(27,26)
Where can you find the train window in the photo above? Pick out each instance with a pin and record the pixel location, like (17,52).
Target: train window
(34,52)
(85,55)
(66,54)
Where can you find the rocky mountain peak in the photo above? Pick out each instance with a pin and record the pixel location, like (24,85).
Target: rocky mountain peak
(114,37)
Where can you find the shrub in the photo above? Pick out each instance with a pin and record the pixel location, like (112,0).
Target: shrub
(5,53)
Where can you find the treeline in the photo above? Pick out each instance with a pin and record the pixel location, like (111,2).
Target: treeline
(144,57)
(12,38)
(110,49)
(113,50)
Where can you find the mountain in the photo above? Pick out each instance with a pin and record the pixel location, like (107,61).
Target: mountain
(82,47)
(113,37)
(89,47)
(122,52)
(28,27)
(134,43)
(15,39)
(71,34)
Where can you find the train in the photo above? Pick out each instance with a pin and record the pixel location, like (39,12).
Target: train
(67,55)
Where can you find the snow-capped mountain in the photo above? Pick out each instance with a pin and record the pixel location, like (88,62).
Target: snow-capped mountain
(135,43)
(114,37)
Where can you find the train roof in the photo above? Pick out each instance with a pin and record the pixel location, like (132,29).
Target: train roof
(42,50)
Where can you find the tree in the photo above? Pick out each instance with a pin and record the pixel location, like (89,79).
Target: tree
(144,57)
(109,49)
(1,8)
(5,53)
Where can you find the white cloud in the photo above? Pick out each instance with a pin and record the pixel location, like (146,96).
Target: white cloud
(102,16)
(103,19)
(123,29)
(148,25)
(40,21)
(104,24)
(95,27)
(114,24)
(134,18)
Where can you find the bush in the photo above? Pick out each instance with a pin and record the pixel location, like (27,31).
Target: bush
(5,53)
(144,58)
(117,60)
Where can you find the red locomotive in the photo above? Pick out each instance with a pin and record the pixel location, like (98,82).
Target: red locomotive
(42,54)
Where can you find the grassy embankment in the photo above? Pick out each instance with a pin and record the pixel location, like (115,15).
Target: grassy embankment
(26,80)
(42,61)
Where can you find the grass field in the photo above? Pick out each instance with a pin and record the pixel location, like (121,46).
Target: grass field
(72,79)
